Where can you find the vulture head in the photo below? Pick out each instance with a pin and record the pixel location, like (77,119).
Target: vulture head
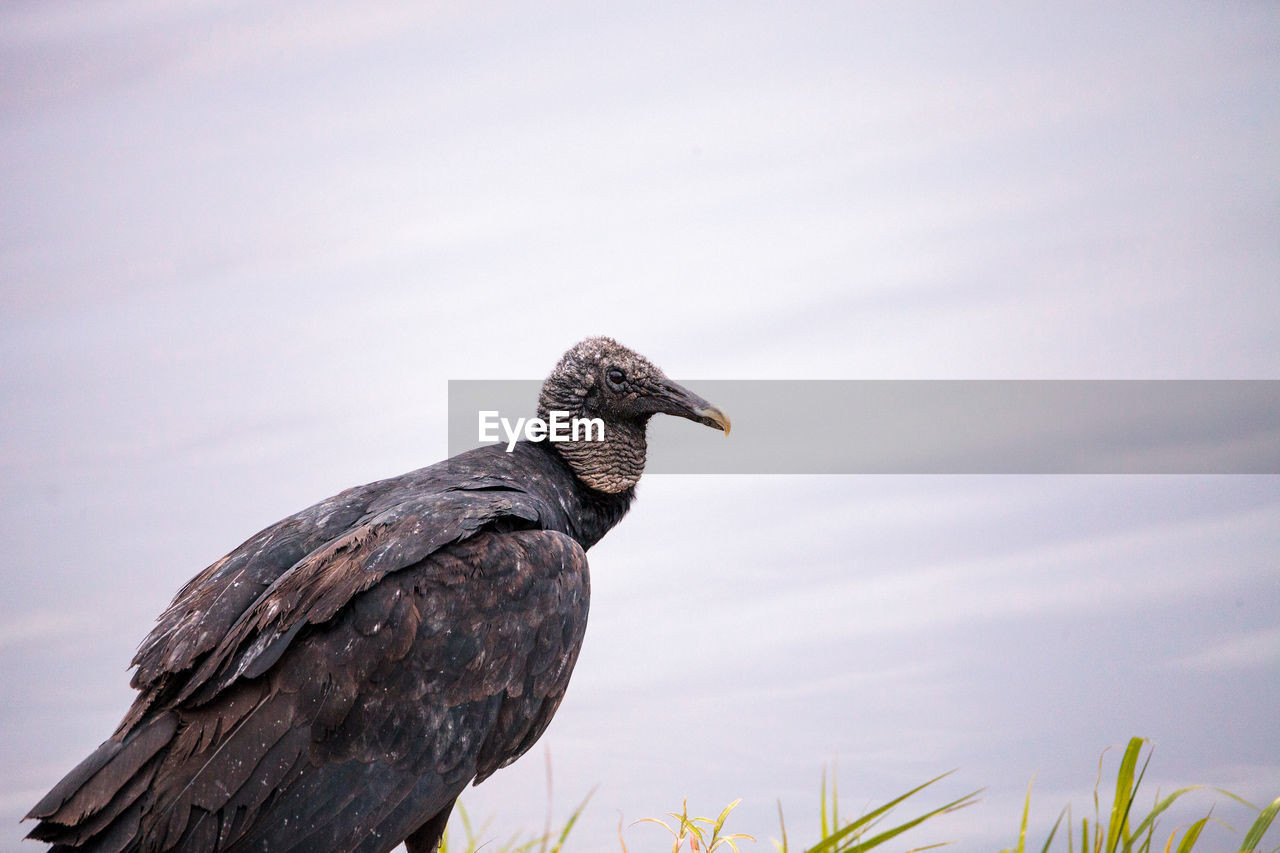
(600,378)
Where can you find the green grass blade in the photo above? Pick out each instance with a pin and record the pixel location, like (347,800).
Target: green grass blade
(1022,828)
(1193,835)
(822,806)
(877,840)
(715,830)
(835,794)
(573,819)
(1260,826)
(831,839)
(1125,790)
(1148,822)
(1057,823)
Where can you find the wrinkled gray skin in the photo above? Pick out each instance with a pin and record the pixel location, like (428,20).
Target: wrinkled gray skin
(336,681)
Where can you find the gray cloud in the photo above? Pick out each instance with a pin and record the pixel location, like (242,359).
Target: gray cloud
(242,251)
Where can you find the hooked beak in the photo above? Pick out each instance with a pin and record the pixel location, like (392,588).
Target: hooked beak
(675,399)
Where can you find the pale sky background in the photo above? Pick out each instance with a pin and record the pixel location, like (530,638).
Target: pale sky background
(244,246)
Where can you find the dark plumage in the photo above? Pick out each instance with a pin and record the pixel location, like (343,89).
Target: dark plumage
(337,680)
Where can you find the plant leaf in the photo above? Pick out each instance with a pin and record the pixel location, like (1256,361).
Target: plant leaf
(1260,827)
(1125,789)
(1193,834)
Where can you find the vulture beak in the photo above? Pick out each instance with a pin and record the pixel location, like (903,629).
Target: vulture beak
(675,399)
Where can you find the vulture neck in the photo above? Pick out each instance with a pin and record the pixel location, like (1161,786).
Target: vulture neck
(584,513)
(612,466)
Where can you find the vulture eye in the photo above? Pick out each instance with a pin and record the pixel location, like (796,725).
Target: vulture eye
(615,376)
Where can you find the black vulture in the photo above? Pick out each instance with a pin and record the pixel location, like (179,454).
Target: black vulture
(336,681)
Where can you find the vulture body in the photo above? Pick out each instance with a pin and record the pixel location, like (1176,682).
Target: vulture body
(337,680)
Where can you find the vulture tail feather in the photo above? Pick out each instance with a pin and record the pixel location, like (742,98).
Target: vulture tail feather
(108,783)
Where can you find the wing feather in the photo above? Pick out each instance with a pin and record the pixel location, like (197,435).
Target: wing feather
(372,715)
(240,615)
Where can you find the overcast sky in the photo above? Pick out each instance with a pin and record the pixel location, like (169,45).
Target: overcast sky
(243,247)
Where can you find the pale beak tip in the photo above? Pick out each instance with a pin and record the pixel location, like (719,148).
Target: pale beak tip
(714,416)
